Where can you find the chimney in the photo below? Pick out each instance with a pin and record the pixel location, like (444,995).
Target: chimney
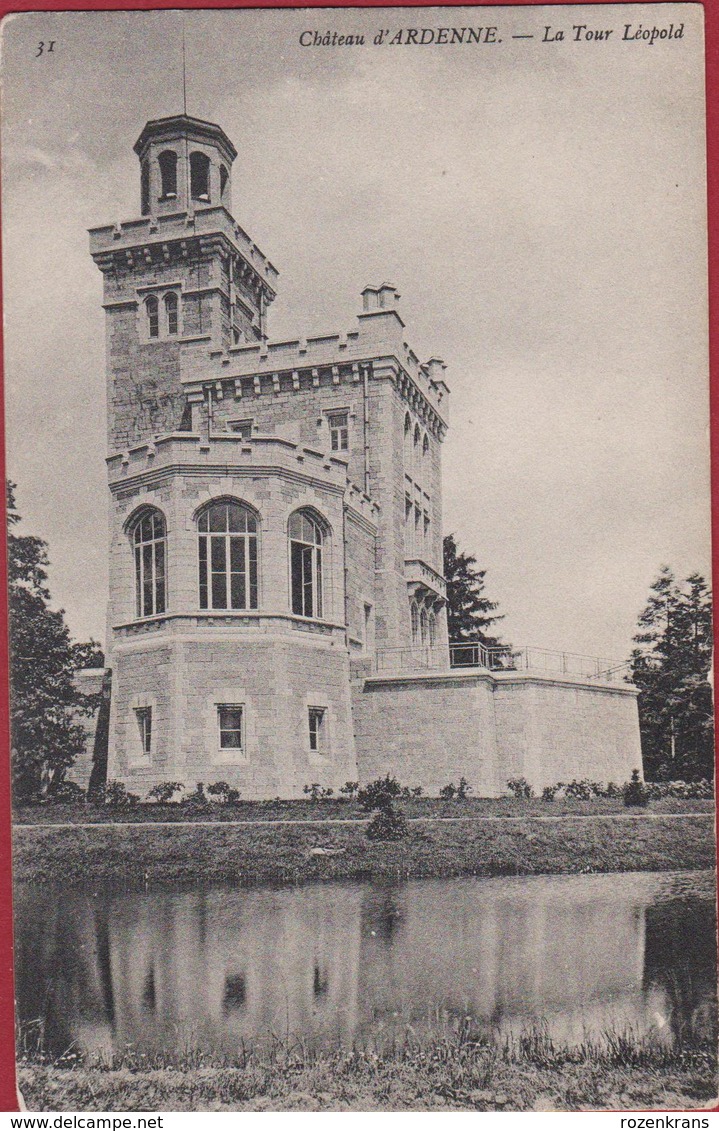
(435,369)
(384,297)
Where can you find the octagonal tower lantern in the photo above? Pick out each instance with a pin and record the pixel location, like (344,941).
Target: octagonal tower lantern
(185,164)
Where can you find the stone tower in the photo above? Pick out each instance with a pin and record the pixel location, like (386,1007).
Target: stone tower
(275,506)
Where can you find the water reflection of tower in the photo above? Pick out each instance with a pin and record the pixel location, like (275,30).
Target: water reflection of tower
(218,967)
(63,985)
(213,968)
(506,953)
(683,964)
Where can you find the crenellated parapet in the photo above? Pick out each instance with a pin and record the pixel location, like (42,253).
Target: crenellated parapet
(229,454)
(375,350)
(176,237)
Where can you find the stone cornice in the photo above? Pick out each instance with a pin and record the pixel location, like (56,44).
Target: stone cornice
(226,455)
(178,236)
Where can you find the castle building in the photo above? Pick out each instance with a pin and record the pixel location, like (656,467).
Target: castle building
(277,611)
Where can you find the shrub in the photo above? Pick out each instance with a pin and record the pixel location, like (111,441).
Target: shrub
(223,793)
(350,789)
(379,793)
(197,797)
(463,789)
(612,789)
(164,791)
(520,788)
(67,791)
(550,791)
(411,791)
(387,824)
(315,791)
(115,793)
(635,792)
(581,790)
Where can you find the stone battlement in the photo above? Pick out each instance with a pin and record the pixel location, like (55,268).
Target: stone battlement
(230,453)
(295,363)
(150,232)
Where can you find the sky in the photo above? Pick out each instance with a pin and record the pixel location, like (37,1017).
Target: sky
(539,203)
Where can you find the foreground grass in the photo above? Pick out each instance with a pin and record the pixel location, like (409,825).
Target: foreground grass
(457,1072)
(337,809)
(138,854)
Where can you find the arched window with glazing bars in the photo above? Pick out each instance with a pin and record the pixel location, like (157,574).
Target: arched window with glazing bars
(171,312)
(307,541)
(414,621)
(152,312)
(149,538)
(228,556)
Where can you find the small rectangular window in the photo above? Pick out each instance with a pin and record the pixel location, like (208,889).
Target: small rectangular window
(339,431)
(229,718)
(144,724)
(318,729)
(243,428)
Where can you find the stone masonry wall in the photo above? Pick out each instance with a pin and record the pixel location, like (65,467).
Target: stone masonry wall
(274,680)
(431,730)
(553,729)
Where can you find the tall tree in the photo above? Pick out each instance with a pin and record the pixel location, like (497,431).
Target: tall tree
(45,704)
(671,666)
(469,612)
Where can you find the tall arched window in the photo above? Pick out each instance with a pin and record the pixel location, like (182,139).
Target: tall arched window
(407,445)
(145,188)
(306,546)
(432,630)
(171,312)
(228,556)
(200,177)
(224,178)
(149,536)
(425,447)
(424,627)
(168,174)
(416,446)
(414,618)
(152,309)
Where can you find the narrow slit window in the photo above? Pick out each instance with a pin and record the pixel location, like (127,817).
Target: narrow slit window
(318,729)
(144,726)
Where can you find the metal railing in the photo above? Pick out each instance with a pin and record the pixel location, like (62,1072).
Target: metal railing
(497,658)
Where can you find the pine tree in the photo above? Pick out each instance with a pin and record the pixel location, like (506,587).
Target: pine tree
(671,665)
(469,612)
(46,736)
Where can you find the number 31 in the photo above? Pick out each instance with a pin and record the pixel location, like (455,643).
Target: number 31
(42,50)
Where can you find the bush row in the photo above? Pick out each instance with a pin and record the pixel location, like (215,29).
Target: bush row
(585,789)
(386,790)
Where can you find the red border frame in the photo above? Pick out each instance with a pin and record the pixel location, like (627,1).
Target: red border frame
(8,1096)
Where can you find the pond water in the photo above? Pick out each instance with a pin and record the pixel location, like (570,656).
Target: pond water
(342,962)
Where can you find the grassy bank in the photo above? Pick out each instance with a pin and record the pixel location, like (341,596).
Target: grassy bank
(140,853)
(337,809)
(457,1072)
